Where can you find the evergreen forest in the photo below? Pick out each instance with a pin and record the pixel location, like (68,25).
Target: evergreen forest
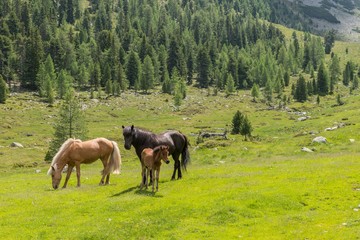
(116,45)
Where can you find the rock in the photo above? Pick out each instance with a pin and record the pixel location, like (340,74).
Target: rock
(37,171)
(352,140)
(16,144)
(300,119)
(319,140)
(305,149)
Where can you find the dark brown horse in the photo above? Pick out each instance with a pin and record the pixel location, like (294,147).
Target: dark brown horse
(74,152)
(176,141)
(151,163)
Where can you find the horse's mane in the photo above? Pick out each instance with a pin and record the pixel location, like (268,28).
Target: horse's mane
(63,147)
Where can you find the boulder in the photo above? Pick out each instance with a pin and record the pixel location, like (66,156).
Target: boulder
(319,139)
(305,149)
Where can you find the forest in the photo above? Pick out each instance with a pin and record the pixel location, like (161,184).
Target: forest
(115,45)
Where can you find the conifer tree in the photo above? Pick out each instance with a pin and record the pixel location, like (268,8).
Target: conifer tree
(230,84)
(133,68)
(64,83)
(237,122)
(255,92)
(323,80)
(334,71)
(3,90)
(246,128)
(147,75)
(301,93)
(70,123)
(203,63)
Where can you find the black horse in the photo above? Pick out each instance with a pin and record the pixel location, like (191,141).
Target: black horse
(177,142)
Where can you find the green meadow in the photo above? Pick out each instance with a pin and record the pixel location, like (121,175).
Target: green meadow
(266,188)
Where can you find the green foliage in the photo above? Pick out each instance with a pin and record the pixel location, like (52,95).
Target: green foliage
(323,80)
(255,91)
(70,123)
(3,90)
(241,125)
(237,122)
(133,69)
(147,74)
(329,40)
(229,85)
(301,91)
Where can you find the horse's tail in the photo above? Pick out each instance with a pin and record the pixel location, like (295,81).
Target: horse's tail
(59,154)
(115,159)
(185,155)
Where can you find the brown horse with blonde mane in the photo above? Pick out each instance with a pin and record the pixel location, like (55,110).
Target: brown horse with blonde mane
(75,152)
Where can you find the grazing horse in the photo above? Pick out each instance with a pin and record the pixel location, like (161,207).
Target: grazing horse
(74,152)
(151,162)
(176,141)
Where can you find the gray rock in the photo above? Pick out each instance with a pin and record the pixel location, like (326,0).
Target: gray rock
(16,144)
(305,149)
(320,139)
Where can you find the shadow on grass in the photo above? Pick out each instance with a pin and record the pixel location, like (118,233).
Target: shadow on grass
(138,192)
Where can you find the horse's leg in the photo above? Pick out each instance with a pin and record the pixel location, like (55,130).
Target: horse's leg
(103,172)
(147,177)
(157,179)
(143,176)
(77,165)
(70,168)
(176,166)
(179,169)
(107,179)
(153,178)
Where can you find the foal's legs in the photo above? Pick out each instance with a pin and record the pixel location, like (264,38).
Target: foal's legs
(153,178)
(157,178)
(70,168)
(148,170)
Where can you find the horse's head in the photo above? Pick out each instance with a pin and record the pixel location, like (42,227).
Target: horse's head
(128,133)
(165,153)
(55,173)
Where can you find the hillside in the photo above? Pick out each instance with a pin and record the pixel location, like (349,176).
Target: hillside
(343,16)
(187,66)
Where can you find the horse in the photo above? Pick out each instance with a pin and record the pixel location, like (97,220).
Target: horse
(74,152)
(176,141)
(151,162)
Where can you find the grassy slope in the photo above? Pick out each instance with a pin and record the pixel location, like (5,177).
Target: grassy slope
(263,189)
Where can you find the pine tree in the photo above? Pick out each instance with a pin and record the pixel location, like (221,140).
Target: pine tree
(301,93)
(334,71)
(70,123)
(133,68)
(230,85)
(348,73)
(255,92)
(355,82)
(329,40)
(3,90)
(203,63)
(323,80)
(237,122)
(246,128)
(64,83)
(147,75)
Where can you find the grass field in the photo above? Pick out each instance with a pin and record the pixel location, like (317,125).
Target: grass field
(264,189)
